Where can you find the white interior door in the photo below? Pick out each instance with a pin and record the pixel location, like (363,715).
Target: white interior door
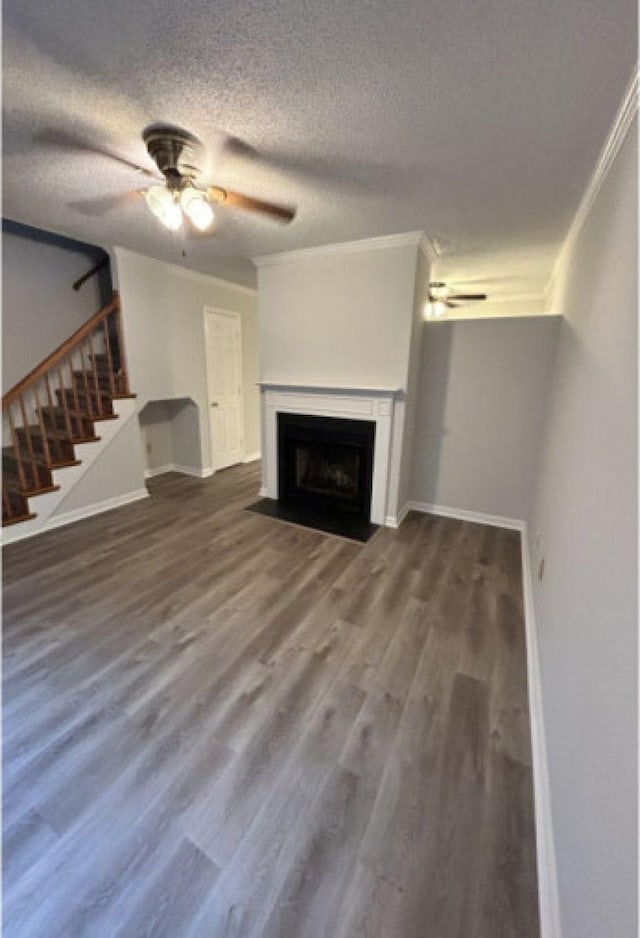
(224,377)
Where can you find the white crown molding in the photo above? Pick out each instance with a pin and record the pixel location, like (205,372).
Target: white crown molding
(196,275)
(406,239)
(615,138)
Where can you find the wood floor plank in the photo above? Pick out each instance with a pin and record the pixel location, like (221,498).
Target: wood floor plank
(219,725)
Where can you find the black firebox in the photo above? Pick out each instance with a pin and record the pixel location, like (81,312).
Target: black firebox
(325,464)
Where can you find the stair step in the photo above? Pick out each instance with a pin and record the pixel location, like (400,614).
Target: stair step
(87,404)
(60,447)
(36,472)
(41,490)
(15,519)
(80,424)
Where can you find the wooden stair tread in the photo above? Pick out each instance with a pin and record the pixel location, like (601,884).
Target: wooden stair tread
(41,490)
(15,519)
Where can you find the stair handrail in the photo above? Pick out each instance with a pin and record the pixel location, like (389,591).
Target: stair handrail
(62,351)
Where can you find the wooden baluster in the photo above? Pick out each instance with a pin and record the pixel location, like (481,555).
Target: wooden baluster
(16,445)
(43,429)
(86,382)
(95,375)
(123,362)
(56,433)
(76,402)
(107,346)
(65,405)
(6,501)
(35,476)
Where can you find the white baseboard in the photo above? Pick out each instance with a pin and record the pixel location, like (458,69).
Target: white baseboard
(461,514)
(194,471)
(252,457)
(158,471)
(548,895)
(264,492)
(394,521)
(26,529)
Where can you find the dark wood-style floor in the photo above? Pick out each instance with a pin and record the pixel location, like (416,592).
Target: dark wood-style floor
(217,724)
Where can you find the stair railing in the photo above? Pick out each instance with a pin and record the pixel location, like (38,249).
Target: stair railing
(81,373)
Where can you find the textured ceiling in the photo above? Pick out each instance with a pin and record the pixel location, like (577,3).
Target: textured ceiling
(478,122)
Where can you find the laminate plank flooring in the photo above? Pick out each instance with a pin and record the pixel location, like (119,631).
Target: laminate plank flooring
(218,724)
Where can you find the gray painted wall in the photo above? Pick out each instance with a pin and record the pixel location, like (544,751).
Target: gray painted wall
(39,308)
(585,512)
(483,388)
(338,319)
(164,334)
(119,471)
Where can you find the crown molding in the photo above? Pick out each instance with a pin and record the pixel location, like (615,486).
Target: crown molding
(191,274)
(615,138)
(406,239)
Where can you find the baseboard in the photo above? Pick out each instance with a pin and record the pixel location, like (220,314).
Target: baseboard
(176,467)
(79,514)
(194,471)
(548,895)
(394,521)
(252,457)
(264,492)
(158,471)
(461,514)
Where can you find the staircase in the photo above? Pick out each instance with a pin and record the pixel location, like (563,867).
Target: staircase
(57,408)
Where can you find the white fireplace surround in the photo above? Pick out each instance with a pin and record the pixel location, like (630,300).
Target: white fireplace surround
(356,403)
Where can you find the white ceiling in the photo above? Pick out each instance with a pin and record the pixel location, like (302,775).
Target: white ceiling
(478,122)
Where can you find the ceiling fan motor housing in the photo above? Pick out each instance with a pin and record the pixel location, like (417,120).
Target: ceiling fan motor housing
(176,153)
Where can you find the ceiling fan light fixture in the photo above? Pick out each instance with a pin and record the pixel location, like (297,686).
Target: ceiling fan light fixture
(197,208)
(434,309)
(163,204)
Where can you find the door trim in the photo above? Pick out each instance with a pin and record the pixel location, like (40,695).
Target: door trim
(232,314)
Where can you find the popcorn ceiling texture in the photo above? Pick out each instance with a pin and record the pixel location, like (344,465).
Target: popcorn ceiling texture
(479,122)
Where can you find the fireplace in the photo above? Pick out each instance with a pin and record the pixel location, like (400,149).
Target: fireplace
(325,464)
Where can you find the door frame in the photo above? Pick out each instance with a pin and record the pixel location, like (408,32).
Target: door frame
(232,314)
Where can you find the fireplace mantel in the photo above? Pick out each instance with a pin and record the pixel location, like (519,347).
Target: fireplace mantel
(358,403)
(331,388)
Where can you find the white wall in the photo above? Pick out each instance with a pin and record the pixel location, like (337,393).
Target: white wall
(339,318)
(164,336)
(483,388)
(411,438)
(39,307)
(585,510)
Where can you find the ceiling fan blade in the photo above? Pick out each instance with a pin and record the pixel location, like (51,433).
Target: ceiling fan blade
(468,296)
(104,204)
(237,200)
(62,140)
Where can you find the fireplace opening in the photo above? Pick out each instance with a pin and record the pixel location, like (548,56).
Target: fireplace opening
(326,463)
(325,475)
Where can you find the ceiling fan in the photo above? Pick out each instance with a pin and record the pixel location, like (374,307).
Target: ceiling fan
(178,192)
(442,298)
